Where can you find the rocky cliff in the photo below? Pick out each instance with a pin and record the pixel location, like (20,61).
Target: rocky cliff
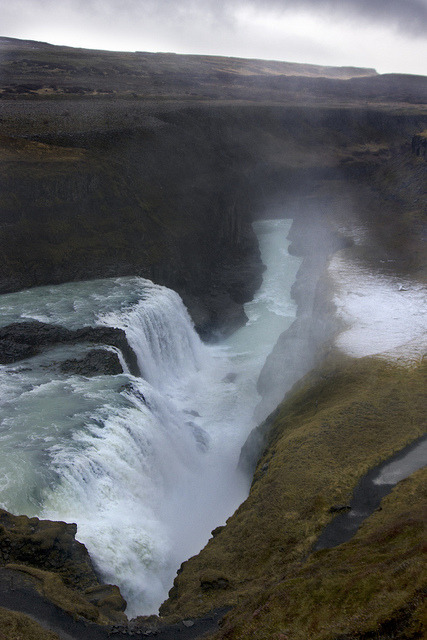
(171,200)
(58,566)
(151,203)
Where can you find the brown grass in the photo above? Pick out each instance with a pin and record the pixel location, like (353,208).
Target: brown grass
(17,626)
(340,421)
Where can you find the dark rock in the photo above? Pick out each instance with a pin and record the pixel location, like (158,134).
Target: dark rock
(200,435)
(230,377)
(171,208)
(96,362)
(339,508)
(419,145)
(188,623)
(254,445)
(193,413)
(112,336)
(134,391)
(46,545)
(25,339)
(12,351)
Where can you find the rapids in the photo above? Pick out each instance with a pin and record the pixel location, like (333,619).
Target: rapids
(147,466)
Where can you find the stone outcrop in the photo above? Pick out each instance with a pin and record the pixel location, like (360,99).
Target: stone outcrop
(49,552)
(25,339)
(95,362)
(46,545)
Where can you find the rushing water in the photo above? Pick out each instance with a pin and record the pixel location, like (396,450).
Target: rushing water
(145,466)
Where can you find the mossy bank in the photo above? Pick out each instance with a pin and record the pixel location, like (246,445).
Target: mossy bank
(339,421)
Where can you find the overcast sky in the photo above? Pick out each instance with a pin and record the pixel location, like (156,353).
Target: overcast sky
(390,35)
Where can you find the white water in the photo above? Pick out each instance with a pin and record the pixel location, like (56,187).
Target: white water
(384,315)
(397,470)
(145,466)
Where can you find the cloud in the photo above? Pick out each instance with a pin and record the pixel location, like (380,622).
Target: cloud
(409,16)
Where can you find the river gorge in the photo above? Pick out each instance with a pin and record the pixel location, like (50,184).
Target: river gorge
(146,466)
(212,344)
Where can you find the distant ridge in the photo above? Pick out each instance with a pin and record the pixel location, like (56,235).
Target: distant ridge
(30,70)
(200,63)
(255,66)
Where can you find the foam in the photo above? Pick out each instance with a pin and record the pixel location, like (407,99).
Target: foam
(383,315)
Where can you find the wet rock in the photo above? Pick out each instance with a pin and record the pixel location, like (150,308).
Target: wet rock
(230,377)
(94,363)
(46,545)
(200,435)
(22,340)
(134,391)
(25,339)
(340,508)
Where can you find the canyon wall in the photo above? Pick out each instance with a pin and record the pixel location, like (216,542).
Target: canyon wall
(173,198)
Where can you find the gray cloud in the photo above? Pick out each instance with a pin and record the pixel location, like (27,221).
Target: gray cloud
(409,16)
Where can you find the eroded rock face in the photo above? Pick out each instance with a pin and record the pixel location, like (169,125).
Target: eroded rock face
(164,204)
(49,552)
(46,545)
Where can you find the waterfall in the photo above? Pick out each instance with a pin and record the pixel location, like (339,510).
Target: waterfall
(159,330)
(146,466)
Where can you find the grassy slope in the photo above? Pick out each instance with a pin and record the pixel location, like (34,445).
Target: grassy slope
(17,626)
(340,421)
(46,70)
(372,587)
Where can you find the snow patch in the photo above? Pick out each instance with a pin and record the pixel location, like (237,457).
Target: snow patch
(383,315)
